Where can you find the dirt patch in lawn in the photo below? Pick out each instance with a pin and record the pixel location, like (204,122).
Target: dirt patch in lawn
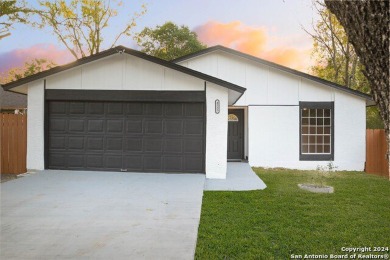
(8,177)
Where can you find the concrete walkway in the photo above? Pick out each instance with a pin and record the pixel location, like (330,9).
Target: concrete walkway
(240,177)
(100,215)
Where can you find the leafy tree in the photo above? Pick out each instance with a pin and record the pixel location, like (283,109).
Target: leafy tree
(12,11)
(80,24)
(30,68)
(366,24)
(169,41)
(337,60)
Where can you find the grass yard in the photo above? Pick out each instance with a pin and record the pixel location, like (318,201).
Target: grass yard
(283,220)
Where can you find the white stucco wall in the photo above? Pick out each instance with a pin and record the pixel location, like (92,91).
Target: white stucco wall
(35,126)
(272,98)
(124,72)
(274,136)
(216,132)
(350,132)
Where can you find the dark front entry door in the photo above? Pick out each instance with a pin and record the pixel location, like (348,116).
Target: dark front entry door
(236,134)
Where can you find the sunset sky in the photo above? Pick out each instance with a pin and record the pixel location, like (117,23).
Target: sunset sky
(269,29)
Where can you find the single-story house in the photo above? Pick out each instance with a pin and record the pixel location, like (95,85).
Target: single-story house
(123,110)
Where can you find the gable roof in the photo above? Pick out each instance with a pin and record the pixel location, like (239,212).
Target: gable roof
(122,49)
(368,98)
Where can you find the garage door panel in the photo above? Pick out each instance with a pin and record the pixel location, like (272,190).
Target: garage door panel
(58,160)
(114,108)
(58,108)
(58,125)
(114,144)
(133,144)
(135,136)
(95,108)
(173,110)
(193,163)
(172,164)
(76,161)
(95,143)
(152,163)
(113,161)
(76,125)
(153,126)
(57,142)
(173,146)
(114,126)
(76,108)
(193,127)
(173,127)
(133,163)
(134,109)
(153,109)
(133,126)
(95,161)
(76,143)
(152,145)
(95,126)
(194,110)
(194,145)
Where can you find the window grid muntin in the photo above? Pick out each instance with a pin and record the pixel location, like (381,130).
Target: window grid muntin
(316,131)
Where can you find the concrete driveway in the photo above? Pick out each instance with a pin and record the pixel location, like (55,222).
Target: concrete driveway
(100,215)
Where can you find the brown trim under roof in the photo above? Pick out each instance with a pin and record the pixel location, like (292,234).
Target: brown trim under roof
(122,49)
(276,66)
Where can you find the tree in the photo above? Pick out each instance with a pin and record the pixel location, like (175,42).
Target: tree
(30,68)
(336,58)
(366,24)
(169,41)
(12,11)
(80,24)
(339,62)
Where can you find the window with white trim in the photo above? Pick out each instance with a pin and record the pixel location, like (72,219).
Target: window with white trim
(316,130)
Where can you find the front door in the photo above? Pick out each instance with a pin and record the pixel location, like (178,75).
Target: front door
(235,134)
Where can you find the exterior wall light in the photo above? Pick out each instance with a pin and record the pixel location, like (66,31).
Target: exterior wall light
(217,107)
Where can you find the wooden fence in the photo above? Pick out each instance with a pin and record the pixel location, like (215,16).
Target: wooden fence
(376,149)
(13,143)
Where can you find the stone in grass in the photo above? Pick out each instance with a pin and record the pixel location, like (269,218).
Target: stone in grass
(316,188)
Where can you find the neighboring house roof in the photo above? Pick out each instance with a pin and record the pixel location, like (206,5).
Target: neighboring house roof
(122,49)
(9,100)
(277,66)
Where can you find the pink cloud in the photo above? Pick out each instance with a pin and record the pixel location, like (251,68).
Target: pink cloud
(258,42)
(18,57)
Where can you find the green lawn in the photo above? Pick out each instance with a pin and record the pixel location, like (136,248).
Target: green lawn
(283,220)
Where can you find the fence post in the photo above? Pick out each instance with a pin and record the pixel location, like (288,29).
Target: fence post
(13,143)
(376,149)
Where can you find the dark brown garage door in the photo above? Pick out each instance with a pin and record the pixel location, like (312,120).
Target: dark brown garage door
(119,136)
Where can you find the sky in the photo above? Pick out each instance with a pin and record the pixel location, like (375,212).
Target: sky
(268,29)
